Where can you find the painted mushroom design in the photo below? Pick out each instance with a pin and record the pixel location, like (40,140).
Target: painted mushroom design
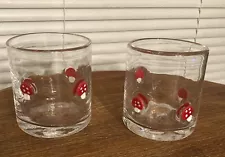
(185,112)
(70,74)
(182,94)
(81,89)
(139,75)
(139,103)
(28,88)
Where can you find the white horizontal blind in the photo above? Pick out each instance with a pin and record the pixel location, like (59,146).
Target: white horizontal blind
(212,33)
(112,23)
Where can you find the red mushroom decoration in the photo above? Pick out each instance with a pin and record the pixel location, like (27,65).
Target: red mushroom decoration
(185,112)
(70,74)
(81,89)
(139,74)
(182,94)
(139,103)
(28,88)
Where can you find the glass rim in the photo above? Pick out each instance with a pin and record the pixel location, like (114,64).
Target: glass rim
(168,53)
(10,40)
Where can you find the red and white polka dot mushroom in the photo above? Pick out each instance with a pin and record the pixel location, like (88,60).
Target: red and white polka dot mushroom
(81,89)
(182,94)
(139,103)
(28,88)
(70,74)
(185,112)
(139,74)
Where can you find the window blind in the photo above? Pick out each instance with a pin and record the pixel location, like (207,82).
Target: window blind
(112,23)
(211,32)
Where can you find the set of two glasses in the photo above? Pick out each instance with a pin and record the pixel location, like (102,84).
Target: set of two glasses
(52,88)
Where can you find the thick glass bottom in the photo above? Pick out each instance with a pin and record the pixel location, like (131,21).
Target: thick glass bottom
(158,135)
(51,132)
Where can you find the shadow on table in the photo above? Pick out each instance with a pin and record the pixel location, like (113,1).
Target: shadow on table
(108,93)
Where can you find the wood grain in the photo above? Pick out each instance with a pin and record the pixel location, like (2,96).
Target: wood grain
(106,136)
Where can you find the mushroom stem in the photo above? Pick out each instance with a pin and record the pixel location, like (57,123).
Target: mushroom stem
(137,110)
(26,97)
(83,96)
(139,80)
(189,118)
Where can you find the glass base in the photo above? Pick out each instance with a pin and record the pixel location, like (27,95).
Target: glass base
(156,134)
(51,132)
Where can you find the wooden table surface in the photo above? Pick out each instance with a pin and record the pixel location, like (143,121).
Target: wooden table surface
(106,136)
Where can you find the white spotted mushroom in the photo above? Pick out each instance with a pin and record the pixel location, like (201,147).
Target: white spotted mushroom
(182,94)
(28,88)
(81,89)
(139,103)
(185,112)
(139,74)
(70,74)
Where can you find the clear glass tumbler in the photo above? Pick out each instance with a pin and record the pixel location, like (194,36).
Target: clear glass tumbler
(51,80)
(163,87)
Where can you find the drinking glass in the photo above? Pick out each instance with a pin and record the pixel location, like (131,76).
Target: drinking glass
(51,81)
(163,87)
